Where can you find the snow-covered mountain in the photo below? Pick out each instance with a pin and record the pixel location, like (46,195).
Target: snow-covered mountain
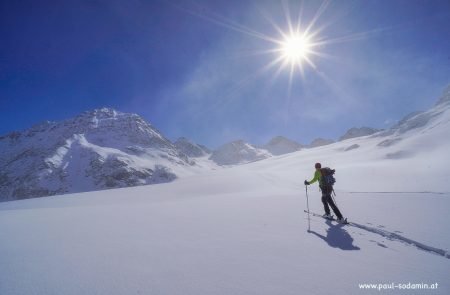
(420,119)
(320,142)
(95,150)
(241,152)
(238,152)
(357,132)
(190,148)
(281,145)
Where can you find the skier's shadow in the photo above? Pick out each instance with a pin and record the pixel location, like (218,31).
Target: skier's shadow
(337,237)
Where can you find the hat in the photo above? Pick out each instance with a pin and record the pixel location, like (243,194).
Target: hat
(318,165)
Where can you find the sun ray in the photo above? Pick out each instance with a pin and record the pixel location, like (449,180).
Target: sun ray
(287,15)
(229,96)
(351,37)
(316,17)
(271,21)
(296,48)
(310,63)
(300,16)
(224,22)
(321,54)
(280,69)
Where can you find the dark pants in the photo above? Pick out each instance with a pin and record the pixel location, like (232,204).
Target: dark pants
(328,200)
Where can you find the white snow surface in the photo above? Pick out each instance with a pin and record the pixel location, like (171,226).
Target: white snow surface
(242,230)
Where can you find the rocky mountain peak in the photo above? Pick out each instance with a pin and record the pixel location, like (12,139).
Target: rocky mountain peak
(281,145)
(238,152)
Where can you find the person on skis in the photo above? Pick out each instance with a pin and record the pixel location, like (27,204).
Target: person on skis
(327,200)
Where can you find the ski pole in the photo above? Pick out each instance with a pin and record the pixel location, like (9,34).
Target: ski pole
(307,206)
(333,192)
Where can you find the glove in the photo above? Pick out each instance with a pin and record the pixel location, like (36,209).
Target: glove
(306,182)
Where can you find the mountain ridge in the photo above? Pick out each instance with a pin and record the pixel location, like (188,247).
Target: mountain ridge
(105,148)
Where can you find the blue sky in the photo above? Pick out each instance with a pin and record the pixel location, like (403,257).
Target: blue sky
(199,68)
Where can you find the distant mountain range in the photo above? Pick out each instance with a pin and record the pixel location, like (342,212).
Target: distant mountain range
(105,148)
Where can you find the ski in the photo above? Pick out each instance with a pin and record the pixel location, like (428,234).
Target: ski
(327,218)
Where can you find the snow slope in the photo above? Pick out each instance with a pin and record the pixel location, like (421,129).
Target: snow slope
(242,230)
(234,231)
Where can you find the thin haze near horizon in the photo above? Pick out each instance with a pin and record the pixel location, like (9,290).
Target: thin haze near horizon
(213,71)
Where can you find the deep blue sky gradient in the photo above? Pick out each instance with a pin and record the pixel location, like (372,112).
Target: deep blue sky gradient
(177,64)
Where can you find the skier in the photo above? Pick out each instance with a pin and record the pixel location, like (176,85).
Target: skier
(326,194)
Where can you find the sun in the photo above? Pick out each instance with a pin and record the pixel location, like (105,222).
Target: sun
(298,45)
(295,48)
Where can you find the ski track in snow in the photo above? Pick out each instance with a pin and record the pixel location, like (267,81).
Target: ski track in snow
(422,192)
(395,236)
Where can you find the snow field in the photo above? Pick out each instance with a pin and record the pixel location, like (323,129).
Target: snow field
(228,232)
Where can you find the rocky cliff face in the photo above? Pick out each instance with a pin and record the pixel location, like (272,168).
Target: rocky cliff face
(190,148)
